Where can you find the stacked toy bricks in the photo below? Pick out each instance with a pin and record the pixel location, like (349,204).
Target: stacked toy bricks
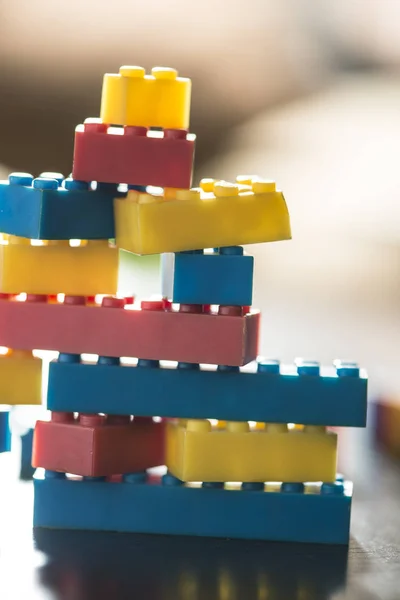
(225,434)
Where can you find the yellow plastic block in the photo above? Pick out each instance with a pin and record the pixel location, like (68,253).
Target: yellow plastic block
(57,267)
(20,378)
(131,97)
(198,452)
(214,215)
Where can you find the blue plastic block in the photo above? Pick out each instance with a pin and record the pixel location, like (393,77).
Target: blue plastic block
(166,506)
(224,277)
(228,393)
(5,435)
(46,209)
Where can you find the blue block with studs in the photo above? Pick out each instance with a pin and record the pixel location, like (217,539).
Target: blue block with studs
(53,208)
(5,435)
(264,391)
(164,505)
(221,276)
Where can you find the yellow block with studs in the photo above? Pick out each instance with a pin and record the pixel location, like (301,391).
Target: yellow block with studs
(196,451)
(20,378)
(161,99)
(56,267)
(216,214)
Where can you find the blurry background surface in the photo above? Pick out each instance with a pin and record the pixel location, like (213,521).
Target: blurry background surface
(302,92)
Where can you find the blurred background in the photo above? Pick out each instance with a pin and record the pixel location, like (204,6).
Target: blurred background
(301,92)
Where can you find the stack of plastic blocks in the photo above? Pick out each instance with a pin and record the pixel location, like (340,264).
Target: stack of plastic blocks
(247,450)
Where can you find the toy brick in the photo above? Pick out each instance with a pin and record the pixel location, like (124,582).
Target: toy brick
(166,507)
(219,214)
(386,422)
(272,393)
(26,471)
(20,378)
(5,435)
(97,445)
(234,452)
(117,329)
(133,155)
(131,97)
(43,209)
(57,267)
(224,276)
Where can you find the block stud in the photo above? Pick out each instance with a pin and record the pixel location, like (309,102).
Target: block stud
(92,420)
(25,179)
(332,489)
(346,369)
(307,367)
(198,425)
(237,426)
(62,417)
(44,183)
(292,487)
(271,366)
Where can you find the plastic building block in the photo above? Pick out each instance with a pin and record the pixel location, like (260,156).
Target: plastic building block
(57,267)
(98,445)
(20,378)
(215,215)
(165,506)
(117,329)
(386,422)
(198,452)
(5,435)
(131,97)
(133,155)
(268,392)
(43,209)
(26,471)
(222,277)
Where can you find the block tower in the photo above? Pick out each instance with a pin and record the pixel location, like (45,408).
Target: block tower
(247,451)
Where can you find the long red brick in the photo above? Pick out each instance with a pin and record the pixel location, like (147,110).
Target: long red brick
(117,329)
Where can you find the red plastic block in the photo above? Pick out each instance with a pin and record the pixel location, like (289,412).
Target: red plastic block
(98,445)
(119,329)
(133,155)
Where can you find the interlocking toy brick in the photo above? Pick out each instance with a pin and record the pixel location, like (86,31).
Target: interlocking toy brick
(272,452)
(386,423)
(216,214)
(273,392)
(5,435)
(317,514)
(222,276)
(118,329)
(161,99)
(56,267)
(133,155)
(97,445)
(20,378)
(45,209)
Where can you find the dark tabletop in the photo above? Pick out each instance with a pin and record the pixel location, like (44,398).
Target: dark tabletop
(82,565)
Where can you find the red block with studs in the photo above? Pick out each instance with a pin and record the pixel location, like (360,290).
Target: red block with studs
(133,155)
(229,337)
(98,445)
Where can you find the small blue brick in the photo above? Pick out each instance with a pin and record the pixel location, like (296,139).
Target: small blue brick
(169,507)
(218,278)
(49,208)
(5,435)
(191,392)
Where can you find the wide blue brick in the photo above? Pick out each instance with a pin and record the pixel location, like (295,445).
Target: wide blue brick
(5,436)
(221,277)
(49,208)
(265,394)
(165,506)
